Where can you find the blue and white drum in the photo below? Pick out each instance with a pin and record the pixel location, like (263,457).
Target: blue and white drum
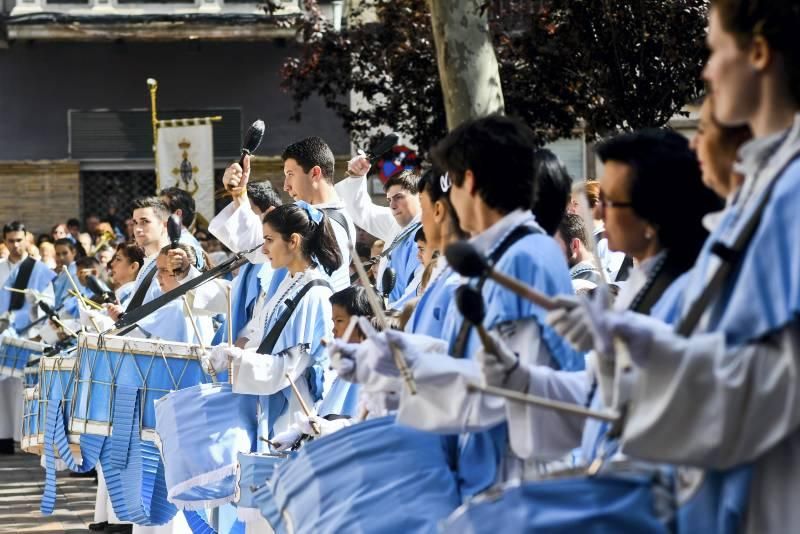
(201,431)
(374,476)
(114,373)
(15,353)
(619,501)
(252,483)
(30,420)
(56,386)
(31,373)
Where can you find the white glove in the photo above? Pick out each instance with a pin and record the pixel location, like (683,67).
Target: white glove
(574,319)
(325,427)
(501,368)
(411,346)
(287,439)
(220,356)
(636,330)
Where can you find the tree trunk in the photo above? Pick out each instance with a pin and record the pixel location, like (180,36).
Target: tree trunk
(467,65)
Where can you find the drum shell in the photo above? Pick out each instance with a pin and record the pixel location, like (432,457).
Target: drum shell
(56,383)
(252,482)
(374,476)
(15,353)
(155,368)
(622,504)
(201,431)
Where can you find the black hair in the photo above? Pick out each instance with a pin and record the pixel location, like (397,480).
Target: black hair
(407,180)
(318,242)
(666,188)
(499,152)
(87,262)
(73,222)
(312,152)
(363,250)
(133,252)
(553,185)
(66,242)
(420,235)
(263,195)
(354,300)
(159,207)
(43,238)
(572,227)
(431,183)
(13,226)
(178,199)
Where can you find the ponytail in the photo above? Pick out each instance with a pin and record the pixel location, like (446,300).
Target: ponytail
(318,242)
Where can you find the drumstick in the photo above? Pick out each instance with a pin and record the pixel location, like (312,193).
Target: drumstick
(374,303)
(303,406)
(197,335)
(543,402)
(230,331)
(24,291)
(75,288)
(86,301)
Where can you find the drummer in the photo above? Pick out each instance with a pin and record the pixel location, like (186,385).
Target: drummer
(20,272)
(346,305)
(256,281)
(66,252)
(489,170)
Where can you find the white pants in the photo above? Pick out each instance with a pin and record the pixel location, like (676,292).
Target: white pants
(10,408)
(103,510)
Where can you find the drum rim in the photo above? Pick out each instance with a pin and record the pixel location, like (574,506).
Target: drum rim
(138,346)
(55,363)
(23,343)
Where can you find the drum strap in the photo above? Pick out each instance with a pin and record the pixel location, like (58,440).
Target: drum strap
(460,344)
(268,344)
(138,298)
(336,215)
(21,282)
(125,399)
(56,440)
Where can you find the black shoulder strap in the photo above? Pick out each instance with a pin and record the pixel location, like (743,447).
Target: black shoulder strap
(338,216)
(268,343)
(21,282)
(141,291)
(460,344)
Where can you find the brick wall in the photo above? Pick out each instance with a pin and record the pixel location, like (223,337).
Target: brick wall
(39,193)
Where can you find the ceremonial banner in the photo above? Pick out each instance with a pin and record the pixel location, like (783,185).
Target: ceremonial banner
(185,159)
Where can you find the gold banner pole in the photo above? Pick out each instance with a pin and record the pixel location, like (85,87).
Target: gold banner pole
(152,85)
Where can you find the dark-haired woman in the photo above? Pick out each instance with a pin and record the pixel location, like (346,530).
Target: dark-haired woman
(299,238)
(440,224)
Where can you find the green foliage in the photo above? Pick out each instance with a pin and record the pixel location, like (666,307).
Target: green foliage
(598,65)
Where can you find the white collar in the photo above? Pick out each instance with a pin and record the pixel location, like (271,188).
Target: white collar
(490,238)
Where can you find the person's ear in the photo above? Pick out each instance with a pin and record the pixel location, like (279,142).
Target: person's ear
(760,53)
(316,173)
(574,246)
(439,211)
(295,240)
(469,182)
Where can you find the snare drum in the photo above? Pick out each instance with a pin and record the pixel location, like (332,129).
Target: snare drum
(252,488)
(615,501)
(30,421)
(30,408)
(56,385)
(115,372)
(375,476)
(201,430)
(15,353)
